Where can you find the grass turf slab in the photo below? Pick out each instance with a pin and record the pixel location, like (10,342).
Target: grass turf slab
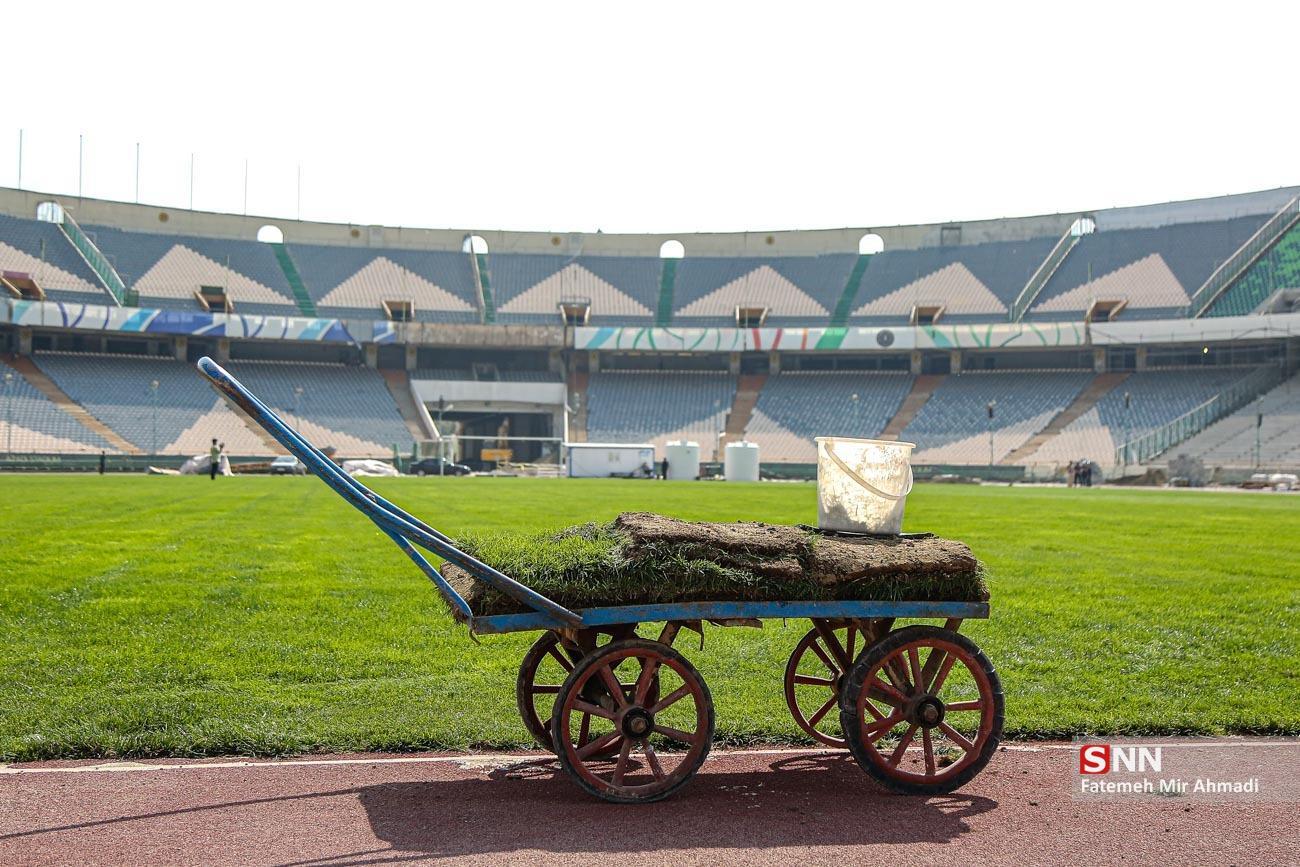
(643,558)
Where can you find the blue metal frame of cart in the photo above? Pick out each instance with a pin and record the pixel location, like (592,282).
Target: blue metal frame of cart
(409,532)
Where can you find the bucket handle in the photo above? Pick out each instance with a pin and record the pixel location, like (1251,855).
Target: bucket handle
(844,468)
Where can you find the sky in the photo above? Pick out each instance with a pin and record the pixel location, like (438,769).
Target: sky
(640,117)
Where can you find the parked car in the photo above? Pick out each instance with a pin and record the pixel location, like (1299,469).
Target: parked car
(437,467)
(288,465)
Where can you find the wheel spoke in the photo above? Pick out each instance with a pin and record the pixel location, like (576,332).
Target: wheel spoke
(649,668)
(613,685)
(956,737)
(621,767)
(853,634)
(964,705)
(891,695)
(932,662)
(652,759)
(880,728)
(943,674)
(599,745)
(545,689)
(894,671)
(676,734)
(809,680)
(584,730)
(871,709)
(821,711)
(897,755)
(671,698)
(591,709)
(914,664)
(929,752)
(815,646)
(833,645)
(559,657)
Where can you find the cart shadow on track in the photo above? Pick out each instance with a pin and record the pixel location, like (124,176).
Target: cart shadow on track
(813,800)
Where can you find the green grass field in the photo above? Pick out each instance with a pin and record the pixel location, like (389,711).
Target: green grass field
(153,616)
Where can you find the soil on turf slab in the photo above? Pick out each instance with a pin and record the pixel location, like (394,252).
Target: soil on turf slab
(643,558)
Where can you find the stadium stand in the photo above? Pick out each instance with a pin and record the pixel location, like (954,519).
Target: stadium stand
(41,250)
(1277,269)
(166,271)
(953,425)
(529,287)
(794,407)
(354,282)
(178,419)
(972,282)
(344,407)
(796,290)
(659,406)
(1230,442)
(1157,397)
(1154,270)
(348,408)
(31,422)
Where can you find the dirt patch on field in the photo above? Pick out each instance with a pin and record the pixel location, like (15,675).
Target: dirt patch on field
(643,558)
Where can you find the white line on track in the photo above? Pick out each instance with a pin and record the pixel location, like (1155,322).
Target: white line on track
(495,760)
(466,760)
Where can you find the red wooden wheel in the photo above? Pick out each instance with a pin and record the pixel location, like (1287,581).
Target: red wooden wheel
(543,670)
(922,710)
(621,742)
(813,677)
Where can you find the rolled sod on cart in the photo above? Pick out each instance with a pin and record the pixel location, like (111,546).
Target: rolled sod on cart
(642,558)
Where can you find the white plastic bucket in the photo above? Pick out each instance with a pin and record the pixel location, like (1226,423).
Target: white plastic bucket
(862,485)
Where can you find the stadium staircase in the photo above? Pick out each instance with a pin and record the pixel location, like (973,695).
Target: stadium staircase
(1236,265)
(305,305)
(97,261)
(399,386)
(488,308)
(844,307)
(1101,385)
(1049,266)
(37,379)
(667,280)
(922,387)
(578,381)
(748,387)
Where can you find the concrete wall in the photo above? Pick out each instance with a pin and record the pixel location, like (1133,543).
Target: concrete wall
(149,218)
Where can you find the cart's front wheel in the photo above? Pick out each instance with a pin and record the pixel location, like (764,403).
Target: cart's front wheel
(628,745)
(922,710)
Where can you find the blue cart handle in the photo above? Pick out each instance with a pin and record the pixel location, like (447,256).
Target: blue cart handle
(399,525)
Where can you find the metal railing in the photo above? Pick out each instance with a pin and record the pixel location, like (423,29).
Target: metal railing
(1044,272)
(1236,264)
(1187,425)
(95,258)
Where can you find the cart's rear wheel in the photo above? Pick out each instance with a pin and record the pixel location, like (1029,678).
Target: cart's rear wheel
(544,668)
(816,671)
(631,746)
(922,710)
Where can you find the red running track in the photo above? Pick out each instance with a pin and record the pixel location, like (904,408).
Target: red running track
(775,806)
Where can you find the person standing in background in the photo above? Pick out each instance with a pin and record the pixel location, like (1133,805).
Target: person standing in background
(664,467)
(214,458)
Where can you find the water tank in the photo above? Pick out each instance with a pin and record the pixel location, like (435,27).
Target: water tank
(683,460)
(740,462)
